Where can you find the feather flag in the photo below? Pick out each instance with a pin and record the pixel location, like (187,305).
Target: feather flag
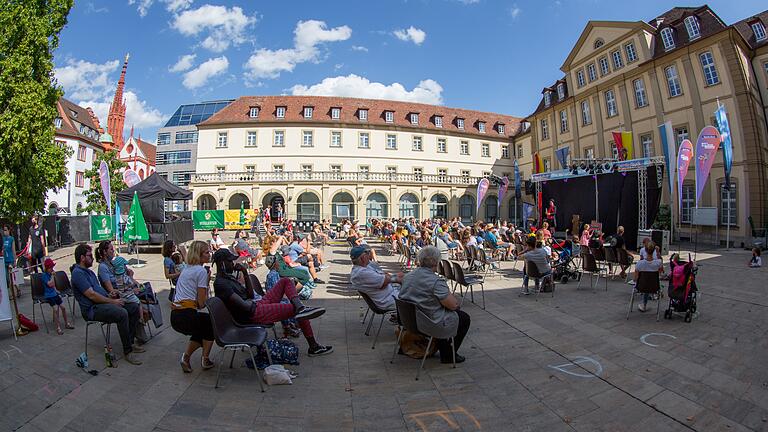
(684,156)
(518,180)
(482,189)
(502,191)
(668,146)
(725,134)
(706,148)
(105,186)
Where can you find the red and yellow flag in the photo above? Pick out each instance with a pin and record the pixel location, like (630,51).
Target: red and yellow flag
(538,165)
(624,145)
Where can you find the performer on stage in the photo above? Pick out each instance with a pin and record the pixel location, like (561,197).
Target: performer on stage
(550,214)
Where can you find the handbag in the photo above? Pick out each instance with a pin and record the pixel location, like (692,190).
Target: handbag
(156,313)
(282,351)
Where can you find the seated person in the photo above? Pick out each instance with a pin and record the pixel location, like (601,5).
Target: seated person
(546,233)
(245,310)
(169,267)
(304,245)
(292,258)
(496,242)
(368,277)
(648,264)
(754,262)
(432,296)
(216,241)
(536,254)
(97,305)
(52,296)
(622,244)
(290,326)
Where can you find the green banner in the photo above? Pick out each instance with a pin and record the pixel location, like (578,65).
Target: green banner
(207,219)
(102,228)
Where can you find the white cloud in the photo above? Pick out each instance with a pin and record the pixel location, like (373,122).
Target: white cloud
(514,11)
(137,112)
(200,75)
(308,35)
(143,6)
(427,91)
(170,5)
(221,25)
(412,34)
(469,2)
(185,62)
(359,48)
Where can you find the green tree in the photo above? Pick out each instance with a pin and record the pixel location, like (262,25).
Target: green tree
(94,195)
(30,162)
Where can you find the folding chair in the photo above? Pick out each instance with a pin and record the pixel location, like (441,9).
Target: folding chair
(647,283)
(447,270)
(611,260)
(406,313)
(468,282)
(532,271)
(63,285)
(589,265)
(376,311)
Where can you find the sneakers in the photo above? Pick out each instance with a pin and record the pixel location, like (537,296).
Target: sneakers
(184,362)
(306,313)
(319,281)
(137,349)
(130,358)
(319,350)
(323,266)
(206,363)
(641,307)
(631,282)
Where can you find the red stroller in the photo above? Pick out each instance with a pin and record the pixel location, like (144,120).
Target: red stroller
(682,288)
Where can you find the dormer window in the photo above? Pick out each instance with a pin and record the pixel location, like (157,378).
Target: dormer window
(414,118)
(362,114)
(500,128)
(57,122)
(438,121)
(280,112)
(547,98)
(667,38)
(335,113)
(73,113)
(481,126)
(460,123)
(308,112)
(389,116)
(759,29)
(253,112)
(560,91)
(692,26)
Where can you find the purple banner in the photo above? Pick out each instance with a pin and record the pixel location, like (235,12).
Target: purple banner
(706,148)
(502,191)
(105,187)
(130,177)
(684,156)
(482,189)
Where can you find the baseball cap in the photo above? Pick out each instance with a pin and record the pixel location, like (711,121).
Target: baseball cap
(223,254)
(357,251)
(49,263)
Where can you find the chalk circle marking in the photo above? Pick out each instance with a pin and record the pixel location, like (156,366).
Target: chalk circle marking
(578,361)
(645,336)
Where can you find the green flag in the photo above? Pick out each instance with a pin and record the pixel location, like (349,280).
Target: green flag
(135,227)
(242,212)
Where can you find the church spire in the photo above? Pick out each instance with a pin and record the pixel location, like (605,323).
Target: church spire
(116,118)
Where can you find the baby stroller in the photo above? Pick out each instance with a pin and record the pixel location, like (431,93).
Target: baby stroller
(564,268)
(682,288)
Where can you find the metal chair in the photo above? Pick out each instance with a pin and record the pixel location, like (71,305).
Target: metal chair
(64,287)
(611,259)
(488,263)
(468,282)
(599,254)
(406,313)
(38,297)
(623,259)
(230,336)
(376,311)
(589,265)
(447,270)
(106,335)
(532,271)
(647,283)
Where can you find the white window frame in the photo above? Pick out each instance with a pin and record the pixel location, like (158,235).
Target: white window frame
(250,169)
(281,141)
(646,142)
(414,117)
(630,51)
(335,168)
(586,114)
(364,140)
(391,169)
(464,147)
(251,138)
(442,173)
(667,38)
(442,145)
(505,152)
(335,113)
(391,142)
(589,153)
(563,121)
(725,195)
(519,151)
(417,143)
(278,168)
(460,123)
(308,111)
(438,121)
(389,116)
(547,98)
(708,68)
(418,172)
(674,88)
(759,30)
(618,61)
(692,27)
(481,126)
(681,134)
(592,72)
(687,200)
(544,129)
(641,98)
(560,91)
(307,134)
(362,114)
(580,80)
(500,128)
(280,112)
(605,67)
(610,104)
(547,164)
(336,134)
(485,150)
(223,138)
(253,112)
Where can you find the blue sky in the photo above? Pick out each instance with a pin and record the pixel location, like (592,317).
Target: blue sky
(477,54)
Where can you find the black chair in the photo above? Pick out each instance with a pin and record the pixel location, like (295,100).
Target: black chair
(589,265)
(376,311)
(106,335)
(447,271)
(532,270)
(647,283)
(64,287)
(599,254)
(611,259)
(230,336)
(38,296)
(468,282)
(406,313)
(256,285)
(624,259)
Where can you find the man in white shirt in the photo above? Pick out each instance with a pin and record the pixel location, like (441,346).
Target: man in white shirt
(368,277)
(648,264)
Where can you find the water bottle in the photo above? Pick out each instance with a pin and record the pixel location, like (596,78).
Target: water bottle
(109,357)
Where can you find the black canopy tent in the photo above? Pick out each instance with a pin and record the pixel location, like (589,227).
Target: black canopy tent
(153,192)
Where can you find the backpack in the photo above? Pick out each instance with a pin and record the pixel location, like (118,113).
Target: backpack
(282,351)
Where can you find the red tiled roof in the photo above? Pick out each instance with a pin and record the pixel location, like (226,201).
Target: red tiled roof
(68,126)
(237,113)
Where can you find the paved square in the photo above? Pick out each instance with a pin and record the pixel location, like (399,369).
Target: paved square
(572,362)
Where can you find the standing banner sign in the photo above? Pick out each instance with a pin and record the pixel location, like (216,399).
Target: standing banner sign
(131,178)
(668,146)
(232,219)
(706,148)
(102,228)
(105,187)
(502,191)
(207,219)
(518,180)
(135,227)
(725,134)
(684,156)
(482,189)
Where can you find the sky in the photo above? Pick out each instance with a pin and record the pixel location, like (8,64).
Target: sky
(485,55)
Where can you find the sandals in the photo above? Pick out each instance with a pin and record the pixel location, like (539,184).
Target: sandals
(206,363)
(185,366)
(69,326)
(59,331)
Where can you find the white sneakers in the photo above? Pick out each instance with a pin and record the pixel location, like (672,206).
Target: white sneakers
(641,307)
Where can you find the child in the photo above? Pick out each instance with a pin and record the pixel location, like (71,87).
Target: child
(178,262)
(52,296)
(756,261)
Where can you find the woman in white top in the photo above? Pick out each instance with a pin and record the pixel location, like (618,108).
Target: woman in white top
(190,297)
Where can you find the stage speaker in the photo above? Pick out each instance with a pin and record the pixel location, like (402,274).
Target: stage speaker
(529,188)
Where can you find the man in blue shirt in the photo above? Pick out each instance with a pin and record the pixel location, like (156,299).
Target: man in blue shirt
(97,305)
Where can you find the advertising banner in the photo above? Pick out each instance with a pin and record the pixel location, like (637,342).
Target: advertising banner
(725,135)
(502,191)
(668,146)
(102,227)
(207,219)
(518,181)
(232,219)
(562,156)
(684,156)
(131,178)
(105,187)
(482,189)
(706,148)
(135,227)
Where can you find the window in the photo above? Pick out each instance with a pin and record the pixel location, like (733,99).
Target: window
(641,99)
(163,138)
(598,43)
(442,173)
(481,126)
(692,27)
(82,129)
(560,91)
(687,200)
(391,170)
(250,169)
(414,118)
(547,98)
(464,147)
(335,113)
(335,138)
(460,123)
(759,29)
(673,81)
(362,114)
(486,174)
(186,137)
(610,103)
(221,169)
(278,168)
(79,179)
(591,72)
(308,112)
(335,168)
(708,66)
(306,168)
(441,145)
(728,205)
(280,112)
(485,150)
(253,112)
(589,153)
(604,68)
(544,129)
(505,152)
(389,116)
(563,121)
(279,140)
(547,164)
(391,142)
(81,153)
(586,115)
(500,128)
(618,62)
(250,139)
(222,140)
(181,178)
(614,150)
(438,121)
(681,134)
(629,50)
(667,38)
(307,139)
(647,143)
(416,144)
(417,172)
(364,140)
(580,81)
(519,151)
(57,122)
(174,157)
(465,173)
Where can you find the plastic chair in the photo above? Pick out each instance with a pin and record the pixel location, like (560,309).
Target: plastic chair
(468,282)
(376,311)
(611,259)
(623,259)
(647,283)
(589,265)
(406,313)
(38,296)
(256,285)
(63,285)
(532,271)
(230,336)
(447,269)
(106,335)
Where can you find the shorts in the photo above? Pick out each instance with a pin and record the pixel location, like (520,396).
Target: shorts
(53,301)
(303,260)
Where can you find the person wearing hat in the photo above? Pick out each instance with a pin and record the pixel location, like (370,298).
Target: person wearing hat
(245,309)
(52,296)
(366,276)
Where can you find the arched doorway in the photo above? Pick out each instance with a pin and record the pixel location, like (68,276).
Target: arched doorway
(376,206)
(273,200)
(342,207)
(409,206)
(308,207)
(491,209)
(438,206)
(238,199)
(467,208)
(206,202)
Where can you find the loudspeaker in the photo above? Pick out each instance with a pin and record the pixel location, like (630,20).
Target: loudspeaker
(529,188)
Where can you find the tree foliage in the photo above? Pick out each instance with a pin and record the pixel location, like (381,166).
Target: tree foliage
(94,196)
(30,162)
